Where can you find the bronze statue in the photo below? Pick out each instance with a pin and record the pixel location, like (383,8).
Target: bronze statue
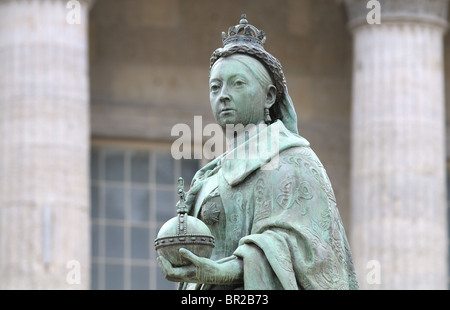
(273,216)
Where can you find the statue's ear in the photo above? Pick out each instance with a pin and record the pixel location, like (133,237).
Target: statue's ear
(271,96)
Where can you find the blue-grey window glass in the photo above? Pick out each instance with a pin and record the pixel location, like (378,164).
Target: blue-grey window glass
(162,283)
(140,204)
(188,169)
(133,192)
(165,168)
(140,243)
(95,201)
(140,279)
(114,165)
(114,242)
(165,203)
(114,202)
(95,275)
(95,164)
(114,277)
(95,250)
(140,167)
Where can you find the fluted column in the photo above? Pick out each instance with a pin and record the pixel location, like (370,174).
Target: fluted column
(44,145)
(398,223)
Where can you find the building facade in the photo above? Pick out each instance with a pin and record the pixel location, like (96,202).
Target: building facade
(91,90)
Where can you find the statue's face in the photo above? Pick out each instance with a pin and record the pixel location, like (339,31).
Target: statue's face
(236,96)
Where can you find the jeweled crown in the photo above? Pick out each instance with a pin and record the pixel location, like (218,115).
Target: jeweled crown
(244,33)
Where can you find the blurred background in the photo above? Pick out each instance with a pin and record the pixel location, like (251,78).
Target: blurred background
(90,90)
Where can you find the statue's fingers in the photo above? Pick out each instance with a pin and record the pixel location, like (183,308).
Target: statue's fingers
(163,262)
(190,256)
(170,273)
(165,266)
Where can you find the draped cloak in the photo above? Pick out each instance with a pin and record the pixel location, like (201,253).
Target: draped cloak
(277,212)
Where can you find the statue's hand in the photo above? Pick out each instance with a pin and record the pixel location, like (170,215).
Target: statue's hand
(176,274)
(202,270)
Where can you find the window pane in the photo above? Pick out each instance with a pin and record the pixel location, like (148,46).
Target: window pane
(188,169)
(95,164)
(94,240)
(133,192)
(114,165)
(140,204)
(164,284)
(114,202)
(114,279)
(140,278)
(114,242)
(95,199)
(165,205)
(164,168)
(139,243)
(140,167)
(95,276)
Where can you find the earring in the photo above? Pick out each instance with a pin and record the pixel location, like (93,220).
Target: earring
(267,118)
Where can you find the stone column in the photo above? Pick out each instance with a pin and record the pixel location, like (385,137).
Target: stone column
(44,145)
(398,223)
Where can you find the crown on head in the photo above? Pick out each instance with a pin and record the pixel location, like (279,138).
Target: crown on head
(244,33)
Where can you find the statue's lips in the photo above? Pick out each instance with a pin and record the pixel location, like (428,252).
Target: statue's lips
(227,110)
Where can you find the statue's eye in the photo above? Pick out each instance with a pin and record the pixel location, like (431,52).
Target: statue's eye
(214,87)
(239,83)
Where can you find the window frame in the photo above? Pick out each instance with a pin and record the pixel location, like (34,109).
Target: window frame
(99,222)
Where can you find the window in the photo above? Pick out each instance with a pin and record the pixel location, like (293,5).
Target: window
(133,193)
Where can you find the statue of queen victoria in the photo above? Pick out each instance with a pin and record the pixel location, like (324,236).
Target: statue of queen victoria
(273,216)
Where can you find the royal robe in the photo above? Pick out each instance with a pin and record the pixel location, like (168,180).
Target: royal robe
(277,212)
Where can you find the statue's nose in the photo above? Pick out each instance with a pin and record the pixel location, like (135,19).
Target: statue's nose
(224,96)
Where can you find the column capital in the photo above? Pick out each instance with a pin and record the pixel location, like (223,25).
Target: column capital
(415,11)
